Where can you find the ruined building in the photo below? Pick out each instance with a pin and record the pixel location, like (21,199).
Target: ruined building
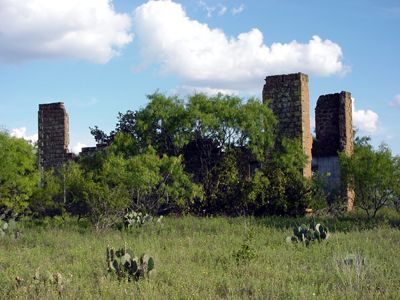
(334,133)
(286,95)
(288,98)
(53,134)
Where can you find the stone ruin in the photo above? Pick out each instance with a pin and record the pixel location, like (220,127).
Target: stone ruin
(286,95)
(334,133)
(53,137)
(288,98)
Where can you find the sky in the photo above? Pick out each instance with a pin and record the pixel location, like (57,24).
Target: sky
(101,57)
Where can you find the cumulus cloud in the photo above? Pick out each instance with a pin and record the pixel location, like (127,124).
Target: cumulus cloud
(21,133)
(202,56)
(365,120)
(396,101)
(78,148)
(37,29)
(238,10)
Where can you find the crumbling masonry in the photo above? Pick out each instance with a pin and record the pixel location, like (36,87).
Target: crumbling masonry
(286,95)
(334,133)
(288,98)
(53,135)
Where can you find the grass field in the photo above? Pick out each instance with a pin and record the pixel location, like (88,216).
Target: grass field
(195,259)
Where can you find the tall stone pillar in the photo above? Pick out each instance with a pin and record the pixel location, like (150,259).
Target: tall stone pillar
(53,135)
(288,98)
(334,134)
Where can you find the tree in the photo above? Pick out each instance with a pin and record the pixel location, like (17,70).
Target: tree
(372,174)
(47,198)
(119,180)
(18,172)
(221,141)
(98,194)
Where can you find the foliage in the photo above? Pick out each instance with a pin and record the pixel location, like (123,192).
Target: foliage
(18,175)
(279,188)
(125,265)
(246,252)
(373,175)
(98,194)
(216,138)
(159,184)
(226,144)
(144,182)
(320,194)
(47,198)
(309,233)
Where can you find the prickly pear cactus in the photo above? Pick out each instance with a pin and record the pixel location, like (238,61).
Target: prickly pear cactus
(8,226)
(309,233)
(125,265)
(136,219)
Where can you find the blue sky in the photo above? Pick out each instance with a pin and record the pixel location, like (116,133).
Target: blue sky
(102,57)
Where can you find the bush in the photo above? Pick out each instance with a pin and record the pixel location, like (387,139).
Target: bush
(374,175)
(18,173)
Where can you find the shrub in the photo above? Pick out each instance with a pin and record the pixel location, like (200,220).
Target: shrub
(246,251)
(374,175)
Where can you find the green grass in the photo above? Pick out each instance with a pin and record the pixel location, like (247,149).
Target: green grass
(194,259)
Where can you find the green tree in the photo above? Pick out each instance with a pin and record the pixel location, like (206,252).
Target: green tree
(145,182)
(279,187)
(223,140)
(18,172)
(372,174)
(47,198)
(100,195)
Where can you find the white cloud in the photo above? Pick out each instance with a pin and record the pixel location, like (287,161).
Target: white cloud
(222,10)
(238,10)
(396,101)
(219,8)
(22,134)
(202,56)
(78,148)
(37,29)
(365,120)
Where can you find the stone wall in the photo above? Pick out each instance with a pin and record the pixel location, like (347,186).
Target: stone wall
(53,137)
(287,96)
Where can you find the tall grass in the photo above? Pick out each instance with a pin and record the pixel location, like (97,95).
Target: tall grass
(195,259)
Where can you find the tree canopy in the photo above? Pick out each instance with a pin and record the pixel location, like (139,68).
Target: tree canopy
(374,175)
(18,175)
